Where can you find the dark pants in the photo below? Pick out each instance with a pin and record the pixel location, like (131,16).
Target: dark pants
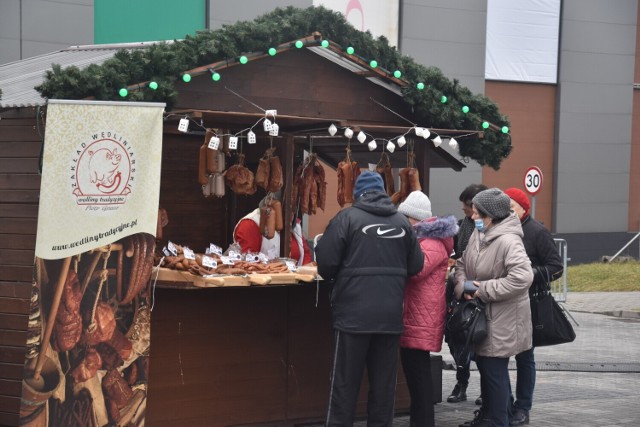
(495,387)
(352,352)
(417,371)
(526,380)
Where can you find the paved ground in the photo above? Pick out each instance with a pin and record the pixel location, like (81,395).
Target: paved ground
(594,381)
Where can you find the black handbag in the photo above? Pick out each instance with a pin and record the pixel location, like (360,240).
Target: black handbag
(550,324)
(466,326)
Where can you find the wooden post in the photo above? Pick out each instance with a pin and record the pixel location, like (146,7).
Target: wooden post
(288,169)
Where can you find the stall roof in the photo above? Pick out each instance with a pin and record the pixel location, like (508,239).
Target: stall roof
(19,78)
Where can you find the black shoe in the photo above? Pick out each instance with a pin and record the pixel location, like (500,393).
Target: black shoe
(520,417)
(477,421)
(479,400)
(459,393)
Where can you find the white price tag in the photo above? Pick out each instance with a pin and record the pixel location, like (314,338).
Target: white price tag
(188,253)
(234,255)
(250,257)
(226,260)
(214,143)
(166,251)
(214,249)
(263,258)
(172,248)
(207,261)
(291,265)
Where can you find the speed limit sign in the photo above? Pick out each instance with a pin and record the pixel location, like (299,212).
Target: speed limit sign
(533,180)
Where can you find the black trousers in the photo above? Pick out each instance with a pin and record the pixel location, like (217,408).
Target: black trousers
(495,388)
(352,353)
(416,365)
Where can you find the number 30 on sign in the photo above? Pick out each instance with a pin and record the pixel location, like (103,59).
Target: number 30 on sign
(533,180)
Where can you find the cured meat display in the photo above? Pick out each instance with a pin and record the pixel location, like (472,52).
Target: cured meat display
(348,172)
(269,173)
(385,170)
(239,178)
(309,190)
(409,181)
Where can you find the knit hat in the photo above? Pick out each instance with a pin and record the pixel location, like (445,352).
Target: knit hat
(519,196)
(493,203)
(417,206)
(368,182)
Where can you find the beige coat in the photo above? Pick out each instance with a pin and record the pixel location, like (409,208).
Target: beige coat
(498,261)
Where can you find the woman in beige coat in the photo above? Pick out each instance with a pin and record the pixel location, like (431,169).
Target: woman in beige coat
(496,263)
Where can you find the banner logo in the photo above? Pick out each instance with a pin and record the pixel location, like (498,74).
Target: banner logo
(102,172)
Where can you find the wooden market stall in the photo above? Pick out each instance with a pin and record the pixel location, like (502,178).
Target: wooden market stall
(243,355)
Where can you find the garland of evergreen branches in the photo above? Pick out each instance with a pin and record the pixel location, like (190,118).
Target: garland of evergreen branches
(165,62)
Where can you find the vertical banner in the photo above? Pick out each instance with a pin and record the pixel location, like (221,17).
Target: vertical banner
(88,341)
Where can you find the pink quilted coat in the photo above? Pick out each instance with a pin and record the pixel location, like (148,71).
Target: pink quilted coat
(424,294)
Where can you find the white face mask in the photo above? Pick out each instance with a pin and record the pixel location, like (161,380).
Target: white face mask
(479,223)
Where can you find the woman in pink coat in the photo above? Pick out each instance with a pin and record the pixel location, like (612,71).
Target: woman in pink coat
(424,304)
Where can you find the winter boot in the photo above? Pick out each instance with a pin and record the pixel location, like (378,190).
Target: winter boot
(459,393)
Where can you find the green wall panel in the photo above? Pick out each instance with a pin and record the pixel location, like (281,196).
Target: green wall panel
(121,21)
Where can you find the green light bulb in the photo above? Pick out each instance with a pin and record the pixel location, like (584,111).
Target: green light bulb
(420,86)
(243,59)
(485,125)
(350,50)
(153,85)
(373,63)
(443,99)
(325,43)
(123,92)
(465,109)
(272,51)
(186,78)
(215,77)
(505,129)
(299,44)
(397,74)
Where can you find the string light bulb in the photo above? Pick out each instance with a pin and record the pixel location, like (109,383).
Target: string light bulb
(332,129)
(391,147)
(443,99)
(437,141)
(266,124)
(453,144)
(123,92)
(485,125)
(186,77)
(397,74)
(351,50)
(324,43)
(215,76)
(348,133)
(372,145)
(275,128)
(419,131)
(373,63)
(251,137)
(272,51)
(153,85)
(420,86)
(244,59)
(505,129)
(465,109)
(401,141)
(426,133)
(361,137)
(299,44)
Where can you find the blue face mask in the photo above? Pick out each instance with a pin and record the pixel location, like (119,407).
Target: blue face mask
(479,225)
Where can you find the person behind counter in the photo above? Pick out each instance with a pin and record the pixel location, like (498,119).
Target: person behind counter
(247,234)
(368,250)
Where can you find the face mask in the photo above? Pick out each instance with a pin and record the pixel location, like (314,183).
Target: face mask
(479,225)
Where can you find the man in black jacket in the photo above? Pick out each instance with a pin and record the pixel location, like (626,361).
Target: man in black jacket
(368,251)
(547,267)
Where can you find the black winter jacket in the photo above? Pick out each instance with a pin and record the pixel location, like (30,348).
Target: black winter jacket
(369,250)
(542,251)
